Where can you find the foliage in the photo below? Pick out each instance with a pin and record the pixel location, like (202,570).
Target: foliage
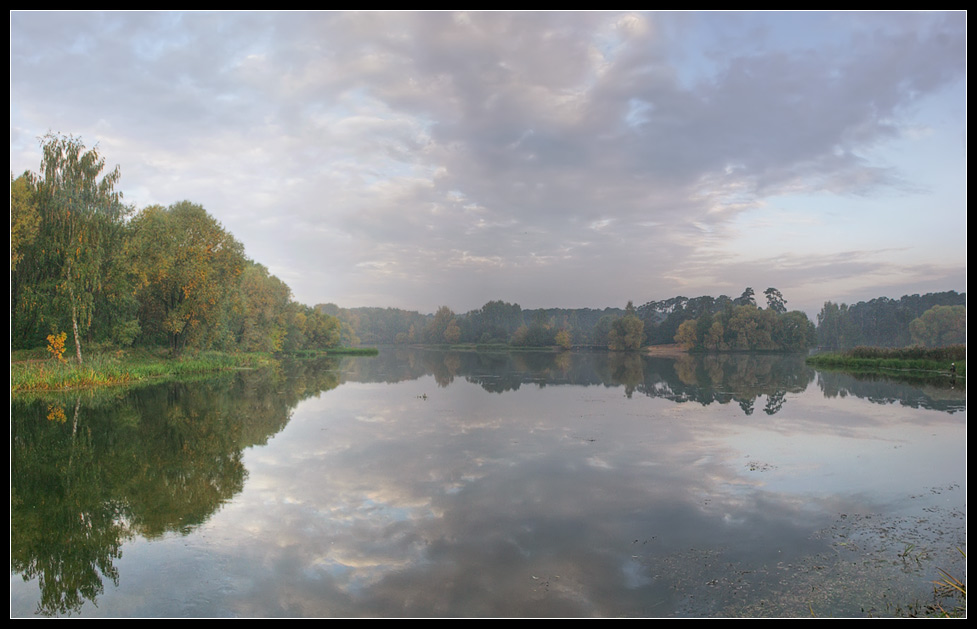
(563,339)
(260,310)
(939,326)
(171,276)
(943,361)
(443,328)
(627,333)
(117,368)
(186,265)
(55,345)
(65,272)
(775,301)
(24,217)
(747,328)
(881,322)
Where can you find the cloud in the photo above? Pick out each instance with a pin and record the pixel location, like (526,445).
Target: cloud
(392,157)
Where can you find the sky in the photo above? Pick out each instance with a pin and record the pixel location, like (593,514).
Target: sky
(549,159)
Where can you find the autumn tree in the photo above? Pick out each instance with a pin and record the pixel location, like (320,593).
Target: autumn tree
(627,333)
(686,334)
(187,267)
(563,339)
(261,310)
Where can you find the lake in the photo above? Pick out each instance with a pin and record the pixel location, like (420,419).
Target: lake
(423,483)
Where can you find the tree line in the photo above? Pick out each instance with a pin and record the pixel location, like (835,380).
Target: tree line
(702,323)
(930,320)
(735,324)
(85,264)
(496,323)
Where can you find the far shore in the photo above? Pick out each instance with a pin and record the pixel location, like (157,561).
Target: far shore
(671,350)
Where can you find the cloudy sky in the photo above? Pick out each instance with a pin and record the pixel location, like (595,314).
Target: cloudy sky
(549,159)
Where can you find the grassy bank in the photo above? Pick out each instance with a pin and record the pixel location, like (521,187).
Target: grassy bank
(36,370)
(942,360)
(28,372)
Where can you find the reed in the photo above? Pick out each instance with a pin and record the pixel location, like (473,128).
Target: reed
(941,360)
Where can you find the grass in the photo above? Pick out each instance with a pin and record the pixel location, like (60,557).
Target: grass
(941,360)
(36,370)
(952,588)
(120,367)
(352,351)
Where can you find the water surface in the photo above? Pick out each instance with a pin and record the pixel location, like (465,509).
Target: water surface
(427,483)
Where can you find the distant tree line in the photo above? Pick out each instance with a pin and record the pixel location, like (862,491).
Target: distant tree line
(630,328)
(931,320)
(84,264)
(496,323)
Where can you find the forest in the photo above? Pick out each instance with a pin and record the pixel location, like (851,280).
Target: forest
(88,271)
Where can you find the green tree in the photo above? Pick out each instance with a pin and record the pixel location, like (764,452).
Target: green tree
(940,326)
(746,299)
(794,332)
(687,334)
(775,301)
(261,310)
(627,333)
(321,331)
(714,339)
(81,220)
(602,330)
(438,327)
(563,339)
(188,268)
(24,217)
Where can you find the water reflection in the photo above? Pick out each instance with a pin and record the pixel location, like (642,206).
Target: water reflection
(514,484)
(90,470)
(705,379)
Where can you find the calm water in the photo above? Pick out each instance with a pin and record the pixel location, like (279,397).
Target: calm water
(424,483)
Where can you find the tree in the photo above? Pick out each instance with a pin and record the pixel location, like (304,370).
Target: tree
(438,329)
(563,339)
(24,217)
(714,338)
(452,333)
(775,301)
(940,326)
(627,333)
(188,267)
(81,218)
(794,332)
(746,299)
(686,334)
(261,310)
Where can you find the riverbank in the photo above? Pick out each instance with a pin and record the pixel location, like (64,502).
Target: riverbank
(667,351)
(31,371)
(943,361)
(119,367)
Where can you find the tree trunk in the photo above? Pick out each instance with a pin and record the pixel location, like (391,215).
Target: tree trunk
(74,326)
